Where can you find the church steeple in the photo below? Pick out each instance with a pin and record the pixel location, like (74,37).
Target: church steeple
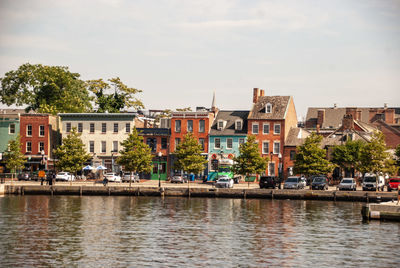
(213,105)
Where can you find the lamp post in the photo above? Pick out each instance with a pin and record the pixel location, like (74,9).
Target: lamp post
(159,154)
(280,169)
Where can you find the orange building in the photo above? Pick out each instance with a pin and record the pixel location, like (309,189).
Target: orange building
(270,120)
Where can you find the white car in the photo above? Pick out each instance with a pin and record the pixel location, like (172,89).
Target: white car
(348,184)
(224,182)
(112,177)
(65,176)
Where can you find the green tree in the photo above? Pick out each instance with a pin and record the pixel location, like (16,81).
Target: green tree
(348,155)
(397,156)
(49,89)
(249,160)
(14,158)
(123,96)
(310,158)
(135,155)
(374,155)
(186,109)
(71,154)
(188,153)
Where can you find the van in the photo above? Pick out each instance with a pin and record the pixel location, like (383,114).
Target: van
(370,180)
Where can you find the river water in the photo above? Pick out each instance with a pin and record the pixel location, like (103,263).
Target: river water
(43,231)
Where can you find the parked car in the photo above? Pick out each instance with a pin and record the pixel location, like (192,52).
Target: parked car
(127,177)
(393,184)
(370,180)
(294,182)
(319,183)
(24,176)
(347,184)
(178,178)
(65,176)
(112,177)
(268,182)
(310,179)
(224,182)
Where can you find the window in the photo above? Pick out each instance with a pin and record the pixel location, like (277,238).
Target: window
(292,154)
(68,127)
(268,108)
(277,147)
(115,146)
(265,147)
(201,142)
(239,125)
(29,130)
(229,143)
(29,146)
(177,125)
(217,143)
(11,129)
(41,146)
(241,141)
(266,128)
(115,127)
(80,127)
(190,125)
(91,146)
(277,129)
(202,125)
(164,143)
(271,169)
(220,124)
(103,147)
(128,127)
(91,127)
(103,127)
(152,143)
(255,128)
(177,141)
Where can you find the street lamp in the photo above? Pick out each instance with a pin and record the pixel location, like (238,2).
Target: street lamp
(280,169)
(159,154)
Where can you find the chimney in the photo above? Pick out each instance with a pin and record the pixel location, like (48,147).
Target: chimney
(389,116)
(261,92)
(358,114)
(334,105)
(256,94)
(318,128)
(352,111)
(348,122)
(385,105)
(372,114)
(321,117)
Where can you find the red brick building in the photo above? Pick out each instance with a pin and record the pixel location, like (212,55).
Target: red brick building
(270,120)
(39,136)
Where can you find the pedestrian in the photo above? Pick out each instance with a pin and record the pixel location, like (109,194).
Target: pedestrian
(105,181)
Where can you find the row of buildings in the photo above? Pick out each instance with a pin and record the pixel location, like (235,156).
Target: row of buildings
(272,119)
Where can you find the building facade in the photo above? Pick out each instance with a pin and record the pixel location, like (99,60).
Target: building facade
(101,133)
(270,120)
(9,130)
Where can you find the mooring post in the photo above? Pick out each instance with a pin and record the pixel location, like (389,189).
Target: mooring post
(80,190)
(272,193)
(366,195)
(334,196)
(244,194)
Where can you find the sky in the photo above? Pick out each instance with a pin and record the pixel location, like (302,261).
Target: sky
(179,52)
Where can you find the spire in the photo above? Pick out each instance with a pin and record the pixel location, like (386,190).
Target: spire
(213,105)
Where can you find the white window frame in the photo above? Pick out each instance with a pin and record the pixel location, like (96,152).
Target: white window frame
(277,142)
(252,128)
(105,147)
(280,128)
(90,148)
(27,130)
(177,141)
(80,127)
(115,125)
(220,124)
(68,127)
(241,124)
(39,149)
(9,128)
(215,143)
(241,141)
(269,128)
(26,146)
(227,146)
(90,128)
(180,126)
(103,129)
(200,126)
(128,128)
(202,142)
(263,151)
(269,170)
(268,108)
(115,149)
(187,126)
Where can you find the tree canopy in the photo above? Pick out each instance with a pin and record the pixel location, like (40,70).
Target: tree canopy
(47,89)
(71,154)
(123,96)
(135,155)
(188,153)
(310,158)
(348,155)
(14,158)
(249,160)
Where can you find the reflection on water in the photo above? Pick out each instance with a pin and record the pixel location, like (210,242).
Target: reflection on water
(151,231)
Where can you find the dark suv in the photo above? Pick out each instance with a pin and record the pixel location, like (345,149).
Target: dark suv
(268,182)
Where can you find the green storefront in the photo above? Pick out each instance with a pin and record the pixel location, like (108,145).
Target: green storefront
(162,172)
(9,130)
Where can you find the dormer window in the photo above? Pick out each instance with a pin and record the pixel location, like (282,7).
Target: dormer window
(238,125)
(268,108)
(221,124)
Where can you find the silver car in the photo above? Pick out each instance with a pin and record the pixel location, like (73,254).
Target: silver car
(224,182)
(127,177)
(294,183)
(347,184)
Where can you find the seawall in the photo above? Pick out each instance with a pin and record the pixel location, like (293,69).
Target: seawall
(200,192)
